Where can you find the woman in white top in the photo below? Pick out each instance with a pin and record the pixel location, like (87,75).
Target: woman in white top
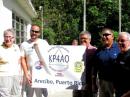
(9,66)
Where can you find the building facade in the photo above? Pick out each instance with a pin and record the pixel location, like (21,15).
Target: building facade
(16,14)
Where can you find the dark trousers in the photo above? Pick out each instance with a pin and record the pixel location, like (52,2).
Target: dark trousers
(106,88)
(81,93)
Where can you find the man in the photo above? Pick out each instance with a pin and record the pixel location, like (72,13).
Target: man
(9,66)
(122,66)
(30,58)
(85,39)
(103,63)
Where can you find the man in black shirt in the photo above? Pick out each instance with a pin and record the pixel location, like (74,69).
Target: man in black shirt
(122,66)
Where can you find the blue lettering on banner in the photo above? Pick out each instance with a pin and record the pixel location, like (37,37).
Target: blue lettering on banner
(78,83)
(58,58)
(59,82)
(64,82)
(46,81)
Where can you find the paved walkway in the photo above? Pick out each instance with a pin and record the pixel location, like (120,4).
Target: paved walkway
(58,93)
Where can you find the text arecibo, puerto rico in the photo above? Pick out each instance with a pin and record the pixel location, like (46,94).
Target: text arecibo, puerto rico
(63,68)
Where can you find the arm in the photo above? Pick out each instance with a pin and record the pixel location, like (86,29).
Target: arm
(24,64)
(25,69)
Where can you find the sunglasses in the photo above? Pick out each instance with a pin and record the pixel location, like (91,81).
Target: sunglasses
(34,31)
(106,34)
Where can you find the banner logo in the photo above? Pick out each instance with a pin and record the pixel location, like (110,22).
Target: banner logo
(58,59)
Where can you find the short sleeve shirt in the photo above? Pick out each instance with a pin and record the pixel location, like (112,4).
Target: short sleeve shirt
(11,60)
(105,59)
(28,51)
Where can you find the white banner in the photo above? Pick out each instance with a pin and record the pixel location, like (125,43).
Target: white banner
(63,69)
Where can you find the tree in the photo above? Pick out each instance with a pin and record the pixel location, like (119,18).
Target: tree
(125,15)
(64,18)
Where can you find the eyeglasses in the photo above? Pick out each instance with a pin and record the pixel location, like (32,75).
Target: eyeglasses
(34,31)
(10,37)
(122,40)
(83,41)
(106,34)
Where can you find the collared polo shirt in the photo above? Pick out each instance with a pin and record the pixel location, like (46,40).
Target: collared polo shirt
(104,61)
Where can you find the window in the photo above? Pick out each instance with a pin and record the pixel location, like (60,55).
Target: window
(20,27)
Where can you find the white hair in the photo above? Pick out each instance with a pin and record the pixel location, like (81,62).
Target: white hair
(125,33)
(9,30)
(85,33)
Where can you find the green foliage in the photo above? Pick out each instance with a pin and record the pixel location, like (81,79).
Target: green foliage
(94,11)
(63,19)
(125,15)
(49,35)
(115,35)
(37,21)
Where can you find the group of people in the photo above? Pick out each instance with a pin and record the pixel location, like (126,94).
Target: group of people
(107,68)
(14,58)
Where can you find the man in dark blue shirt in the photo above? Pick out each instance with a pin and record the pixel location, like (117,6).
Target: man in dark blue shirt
(103,63)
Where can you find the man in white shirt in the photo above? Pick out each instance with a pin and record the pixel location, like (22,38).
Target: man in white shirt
(9,66)
(30,58)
